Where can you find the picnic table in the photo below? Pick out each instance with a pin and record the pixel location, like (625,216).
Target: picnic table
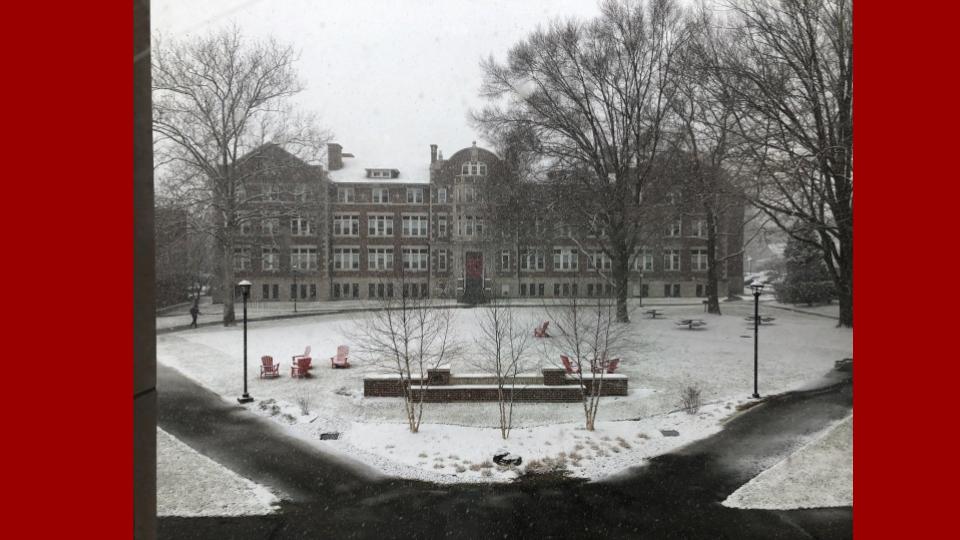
(763,319)
(691,324)
(653,313)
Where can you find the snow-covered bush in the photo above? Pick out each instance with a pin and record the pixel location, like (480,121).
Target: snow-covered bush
(690,400)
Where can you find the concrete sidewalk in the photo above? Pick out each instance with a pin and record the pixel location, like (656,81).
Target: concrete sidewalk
(178,318)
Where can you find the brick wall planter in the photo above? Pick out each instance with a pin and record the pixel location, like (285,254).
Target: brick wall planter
(554,385)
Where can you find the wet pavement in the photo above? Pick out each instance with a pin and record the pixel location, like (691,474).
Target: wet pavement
(676,495)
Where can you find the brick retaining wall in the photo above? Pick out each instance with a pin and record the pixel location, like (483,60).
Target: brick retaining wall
(554,386)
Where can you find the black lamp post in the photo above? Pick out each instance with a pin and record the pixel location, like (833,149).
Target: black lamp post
(757,287)
(245,291)
(295,290)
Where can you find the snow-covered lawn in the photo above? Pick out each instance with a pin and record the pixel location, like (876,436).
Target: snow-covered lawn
(818,475)
(191,484)
(795,350)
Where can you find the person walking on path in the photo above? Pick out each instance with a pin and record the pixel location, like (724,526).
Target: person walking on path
(194,311)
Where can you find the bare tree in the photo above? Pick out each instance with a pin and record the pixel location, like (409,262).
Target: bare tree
(503,340)
(594,95)
(788,65)
(407,335)
(587,331)
(218,102)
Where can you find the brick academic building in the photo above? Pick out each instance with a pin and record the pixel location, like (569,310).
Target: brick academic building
(359,225)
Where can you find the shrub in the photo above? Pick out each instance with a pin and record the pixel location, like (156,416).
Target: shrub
(690,399)
(304,403)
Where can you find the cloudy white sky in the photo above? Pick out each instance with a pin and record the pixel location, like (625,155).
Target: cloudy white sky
(388,77)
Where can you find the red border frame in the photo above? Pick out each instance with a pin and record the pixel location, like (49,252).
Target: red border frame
(68,270)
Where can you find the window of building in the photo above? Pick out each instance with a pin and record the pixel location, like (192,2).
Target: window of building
(246,228)
(523,289)
(532,260)
(643,260)
(600,261)
(505,260)
(469,226)
(301,227)
(270,259)
(671,259)
(415,226)
(345,195)
(442,260)
(266,292)
(336,290)
(699,289)
(346,258)
(380,225)
(415,259)
(241,258)
(346,225)
(380,259)
(675,228)
(293,291)
(381,195)
(504,289)
(303,257)
(270,226)
(442,196)
(698,260)
(565,259)
(556,289)
(474,168)
(271,193)
(415,195)
(442,226)
(700,228)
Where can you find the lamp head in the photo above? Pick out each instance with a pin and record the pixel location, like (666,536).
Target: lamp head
(245,288)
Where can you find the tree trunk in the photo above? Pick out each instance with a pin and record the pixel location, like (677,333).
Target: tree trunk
(621,277)
(227,285)
(845,271)
(713,300)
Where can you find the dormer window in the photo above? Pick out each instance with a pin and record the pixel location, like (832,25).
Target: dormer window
(382,173)
(474,168)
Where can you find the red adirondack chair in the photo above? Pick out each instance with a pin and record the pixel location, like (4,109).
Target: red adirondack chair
(306,354)
(267,368)
(300,368)
(341,360)
(568,365)
(541,331)
(613,365)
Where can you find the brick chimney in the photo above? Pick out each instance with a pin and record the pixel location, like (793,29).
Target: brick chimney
(433,153)
(334,157)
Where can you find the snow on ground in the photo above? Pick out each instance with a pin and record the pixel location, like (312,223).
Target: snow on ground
(663,357)
(445,453)
(818,475)
(191,484)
